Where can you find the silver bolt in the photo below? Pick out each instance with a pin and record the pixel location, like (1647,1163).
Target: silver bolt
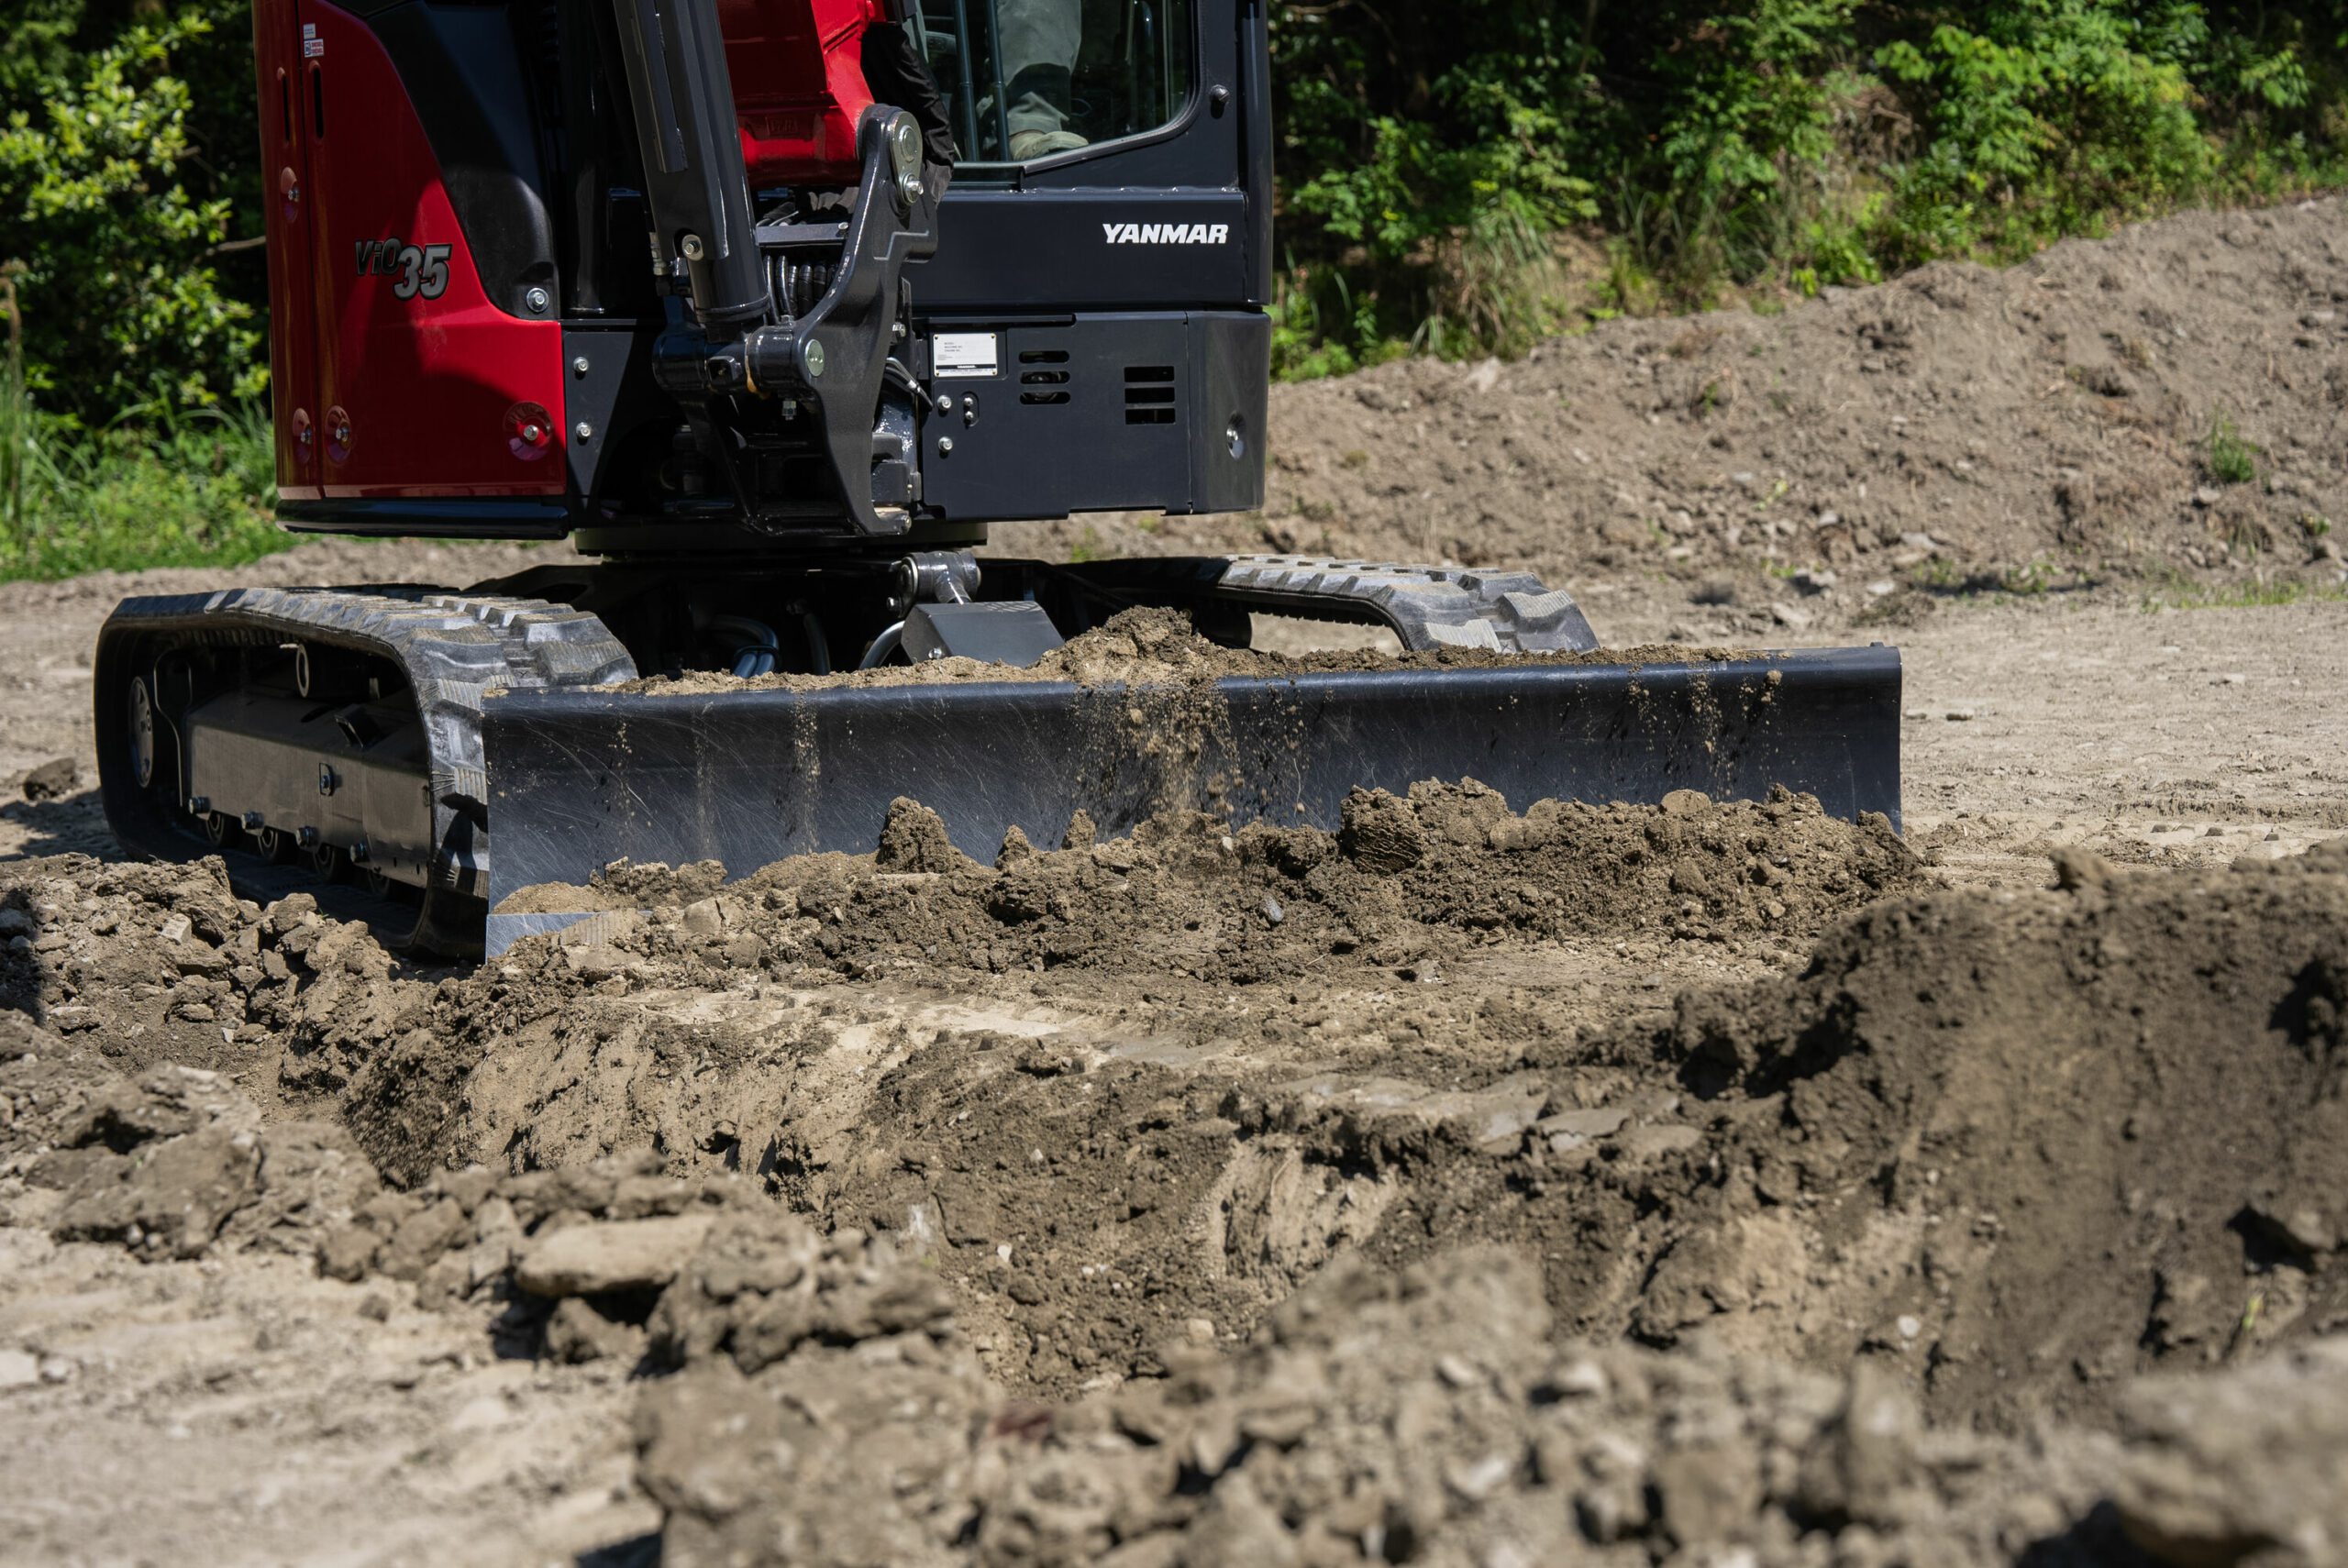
(944,404)
(691,248)
(538,300)
(579,366)
(944,445)
(815,358)
(583,430)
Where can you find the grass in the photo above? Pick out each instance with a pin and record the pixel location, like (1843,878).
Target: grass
(157,488)
(2231,459)
(2187,595)
(194,492)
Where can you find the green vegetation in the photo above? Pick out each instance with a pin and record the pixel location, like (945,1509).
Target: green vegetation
(176,485)
(1466,179)
(2186,595)
(132,429)
(1456,179)
(2232,460)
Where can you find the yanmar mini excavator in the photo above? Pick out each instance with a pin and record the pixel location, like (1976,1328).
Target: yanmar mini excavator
(683,281)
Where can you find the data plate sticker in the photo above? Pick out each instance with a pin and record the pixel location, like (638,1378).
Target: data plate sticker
(961,354)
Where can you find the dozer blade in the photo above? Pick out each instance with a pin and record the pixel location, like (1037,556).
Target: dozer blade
(580,779)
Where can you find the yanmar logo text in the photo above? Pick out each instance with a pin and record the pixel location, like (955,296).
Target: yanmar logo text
(1166,233)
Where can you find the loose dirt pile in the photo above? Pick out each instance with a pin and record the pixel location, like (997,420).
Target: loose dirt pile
(1402,881)
(1154,647)
(1957,424)
(2102,1127)
(168,1165)
(158,963)
(828,1409)
(812,1399)
(1430,1418)
(1975,1121)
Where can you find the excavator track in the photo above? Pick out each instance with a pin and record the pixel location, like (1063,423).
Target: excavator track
(1427,607)
(400,795)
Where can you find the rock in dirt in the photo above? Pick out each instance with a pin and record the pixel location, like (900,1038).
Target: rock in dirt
(2243,1468)
(763,1284)
(624,1254)
(19,1369)
(827,1414)
(170,1164)
(52,780)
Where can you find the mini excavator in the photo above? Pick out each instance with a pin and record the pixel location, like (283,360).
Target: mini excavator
(772,308)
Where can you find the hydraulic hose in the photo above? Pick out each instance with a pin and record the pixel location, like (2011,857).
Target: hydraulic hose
(761,649)
(819,648)
(884,646)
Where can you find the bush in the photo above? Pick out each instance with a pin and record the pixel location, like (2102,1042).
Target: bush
(114,213)
(185,489)
(2232,460)
(1576,161)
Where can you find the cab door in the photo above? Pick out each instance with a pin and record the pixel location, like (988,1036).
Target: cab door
(290,205)
(427,386)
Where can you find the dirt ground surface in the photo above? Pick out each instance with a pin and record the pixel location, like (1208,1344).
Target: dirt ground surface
(1486,1182)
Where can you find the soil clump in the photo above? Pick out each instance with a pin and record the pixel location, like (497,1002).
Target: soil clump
(1156,646)
(1404,880)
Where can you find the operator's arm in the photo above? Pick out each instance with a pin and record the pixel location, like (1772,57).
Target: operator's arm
(896,75)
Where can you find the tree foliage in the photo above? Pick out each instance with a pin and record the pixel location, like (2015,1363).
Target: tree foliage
(125,156)
(1437,156)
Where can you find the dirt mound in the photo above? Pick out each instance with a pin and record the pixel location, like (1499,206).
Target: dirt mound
(1950,426)
(2096,1128)
(1156,646)
(2100,1122)
(1404,881)
(2028,1143)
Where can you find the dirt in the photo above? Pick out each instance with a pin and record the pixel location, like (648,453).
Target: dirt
(1978,1166)
(1485,1182)
(1406,882)
(1151,647)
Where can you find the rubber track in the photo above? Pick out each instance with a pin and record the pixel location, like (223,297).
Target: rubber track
(453,649)
(1428,607)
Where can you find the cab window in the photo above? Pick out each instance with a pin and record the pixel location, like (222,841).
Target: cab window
(1024,80)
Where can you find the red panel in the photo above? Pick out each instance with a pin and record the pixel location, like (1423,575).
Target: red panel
(422,383)
(285,165)
(798,85)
